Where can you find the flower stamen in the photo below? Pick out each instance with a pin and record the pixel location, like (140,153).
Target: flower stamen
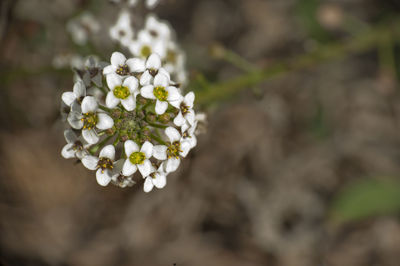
(160,93)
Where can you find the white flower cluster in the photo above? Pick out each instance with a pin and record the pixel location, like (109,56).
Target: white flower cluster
(156,37)
(132,3)
(139,122)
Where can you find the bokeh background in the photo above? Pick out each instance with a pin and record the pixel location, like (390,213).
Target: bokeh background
(299,164)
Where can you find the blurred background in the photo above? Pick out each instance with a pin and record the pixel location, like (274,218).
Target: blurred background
(299,163)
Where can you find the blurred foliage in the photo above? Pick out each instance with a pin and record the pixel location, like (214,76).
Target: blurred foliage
(366,198)
(306,12)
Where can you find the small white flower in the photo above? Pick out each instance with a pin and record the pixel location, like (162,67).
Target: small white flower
(104,165)
(162,93)
(122,30)
(158,30)
(188,133)
(137,159)
(76,147)
(186,112)
(144,45)
(123,92)
(123,67)
(81,27)
(119,179)
(176,149)
(152,3)
(77,94)
(151,68)
(157,178)
(89,118)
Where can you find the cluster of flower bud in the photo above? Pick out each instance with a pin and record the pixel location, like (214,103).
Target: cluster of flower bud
(129,118)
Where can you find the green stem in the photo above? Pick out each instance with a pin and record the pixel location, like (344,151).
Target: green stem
(158,139)
(100,145)
(365,41)
(105,108)
(156,125)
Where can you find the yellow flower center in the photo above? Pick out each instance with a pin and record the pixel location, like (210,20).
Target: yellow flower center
(121,92)
(171,56)
(160,93)
(174,149)
(145,51)
(89,120)
(105,163)
(184,108)
(137,157)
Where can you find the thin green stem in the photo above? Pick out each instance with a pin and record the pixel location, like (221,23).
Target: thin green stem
(158,139)
(105,108)
(100,145)
(363,42)
(156,125)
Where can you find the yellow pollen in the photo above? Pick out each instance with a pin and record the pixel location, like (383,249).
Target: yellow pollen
(137,157)
(160,93)
(121,92)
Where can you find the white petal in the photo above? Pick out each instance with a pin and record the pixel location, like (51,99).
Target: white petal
(172,134)
(160,180)
(176,103)
(165,72)
(151,3)
(89,105)
(113,80)
(145,168)
(189,99)
(161,107)
(111,100)
(79,89)
(161,80)
(76,107)
(90,162)
(193,141)
(132,83)
(130,147)
(103,177)
(190,116)
(129,103)
(109,69)
(160,152)
(172,164)
(68,97)
(118,59)
(179,120)
(153,62)
(185,147)
(148,185)
(74,119)
(70,136)
(173,94)
(145,79)
(136,65)
(128,168)
(147,92)
(104,121)
(68,152)
(147,149)
(108,152)
(90,136)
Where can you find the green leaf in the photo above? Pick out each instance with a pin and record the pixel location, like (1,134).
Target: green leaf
(366,198)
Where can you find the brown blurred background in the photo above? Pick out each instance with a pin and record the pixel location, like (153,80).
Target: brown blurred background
(301,169)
